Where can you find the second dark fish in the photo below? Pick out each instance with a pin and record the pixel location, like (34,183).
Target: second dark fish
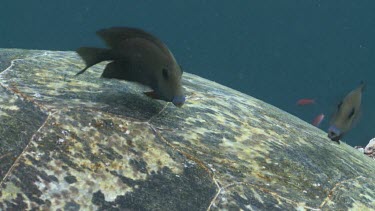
(139,57)
(346,113)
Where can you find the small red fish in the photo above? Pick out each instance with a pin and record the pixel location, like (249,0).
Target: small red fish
(305,101)
(318,119)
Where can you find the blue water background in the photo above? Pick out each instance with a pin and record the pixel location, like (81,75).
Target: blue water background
(277,51)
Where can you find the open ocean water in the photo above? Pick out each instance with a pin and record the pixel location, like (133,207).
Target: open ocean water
(277,51)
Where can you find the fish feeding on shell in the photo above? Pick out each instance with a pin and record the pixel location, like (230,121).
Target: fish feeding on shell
(346,113)
(138,56)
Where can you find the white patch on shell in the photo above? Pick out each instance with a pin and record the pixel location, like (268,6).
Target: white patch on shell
(316,184)
(60,141)
(369,149)
(37,95)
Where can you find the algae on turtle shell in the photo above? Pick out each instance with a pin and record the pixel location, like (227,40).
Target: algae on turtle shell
(88,143)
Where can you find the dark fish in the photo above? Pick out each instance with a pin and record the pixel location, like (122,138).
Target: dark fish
(139,57)
(346,114)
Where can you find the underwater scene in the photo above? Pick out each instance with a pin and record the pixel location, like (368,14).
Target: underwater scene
(202,127)
(276,51)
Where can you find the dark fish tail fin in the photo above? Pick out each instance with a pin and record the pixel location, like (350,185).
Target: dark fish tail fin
(92,56)
(363,86)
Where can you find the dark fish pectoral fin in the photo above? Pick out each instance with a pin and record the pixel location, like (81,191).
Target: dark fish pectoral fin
(121,70)
(92,56)
(113,70)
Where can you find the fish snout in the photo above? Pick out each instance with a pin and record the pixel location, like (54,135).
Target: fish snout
(178,100)
(334,133)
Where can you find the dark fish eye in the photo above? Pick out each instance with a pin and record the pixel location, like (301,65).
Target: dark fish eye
(351,113)
(165,74)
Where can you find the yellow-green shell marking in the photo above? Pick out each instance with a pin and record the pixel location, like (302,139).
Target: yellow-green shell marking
(83,142)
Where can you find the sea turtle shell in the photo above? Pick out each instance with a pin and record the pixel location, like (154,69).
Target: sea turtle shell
(87,143)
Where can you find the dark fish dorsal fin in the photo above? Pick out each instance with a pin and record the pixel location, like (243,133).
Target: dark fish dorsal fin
(339,105)
(115,35)
(362,86)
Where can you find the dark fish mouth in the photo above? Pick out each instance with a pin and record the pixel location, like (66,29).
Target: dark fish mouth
(178,100)
(334,133)
(334,138)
